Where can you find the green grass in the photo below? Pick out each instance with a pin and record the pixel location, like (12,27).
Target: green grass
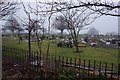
(87,53)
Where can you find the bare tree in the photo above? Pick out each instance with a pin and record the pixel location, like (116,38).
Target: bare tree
(7,7)
(29,26)
(19,29)
(38,23)
(104,7)
(44,10)
(59,24)
(93,31)
(38,30)
(3,29)
(11,24)
(76,20)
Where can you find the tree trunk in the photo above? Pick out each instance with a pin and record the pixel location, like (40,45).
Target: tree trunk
(76,46)
(76,41)
(39,43)
(29,44)
(13,33)
(61,33)
(18,37)
(48,46)
(39,46)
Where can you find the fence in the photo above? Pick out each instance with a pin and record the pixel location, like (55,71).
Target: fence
(54,67)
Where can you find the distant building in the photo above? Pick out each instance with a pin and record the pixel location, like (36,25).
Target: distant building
(111,33)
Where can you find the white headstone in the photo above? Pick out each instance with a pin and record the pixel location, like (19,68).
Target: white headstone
(107,43)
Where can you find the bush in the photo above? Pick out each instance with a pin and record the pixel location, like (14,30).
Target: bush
(68,75)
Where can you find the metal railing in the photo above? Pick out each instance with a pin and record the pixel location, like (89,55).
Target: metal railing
(62,68)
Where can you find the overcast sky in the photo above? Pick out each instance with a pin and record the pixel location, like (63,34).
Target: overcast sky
(103,24)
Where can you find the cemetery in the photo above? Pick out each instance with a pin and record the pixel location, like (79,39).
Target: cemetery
(87,52)
(59,40)
(65,47)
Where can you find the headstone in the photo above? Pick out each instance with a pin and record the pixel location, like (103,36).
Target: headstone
(107,43)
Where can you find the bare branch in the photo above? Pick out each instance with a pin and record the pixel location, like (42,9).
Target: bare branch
(7,7)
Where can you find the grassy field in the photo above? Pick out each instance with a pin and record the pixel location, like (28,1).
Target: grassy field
(87,53)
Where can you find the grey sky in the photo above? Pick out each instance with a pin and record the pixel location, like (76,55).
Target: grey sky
(103,24)
(106,24)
